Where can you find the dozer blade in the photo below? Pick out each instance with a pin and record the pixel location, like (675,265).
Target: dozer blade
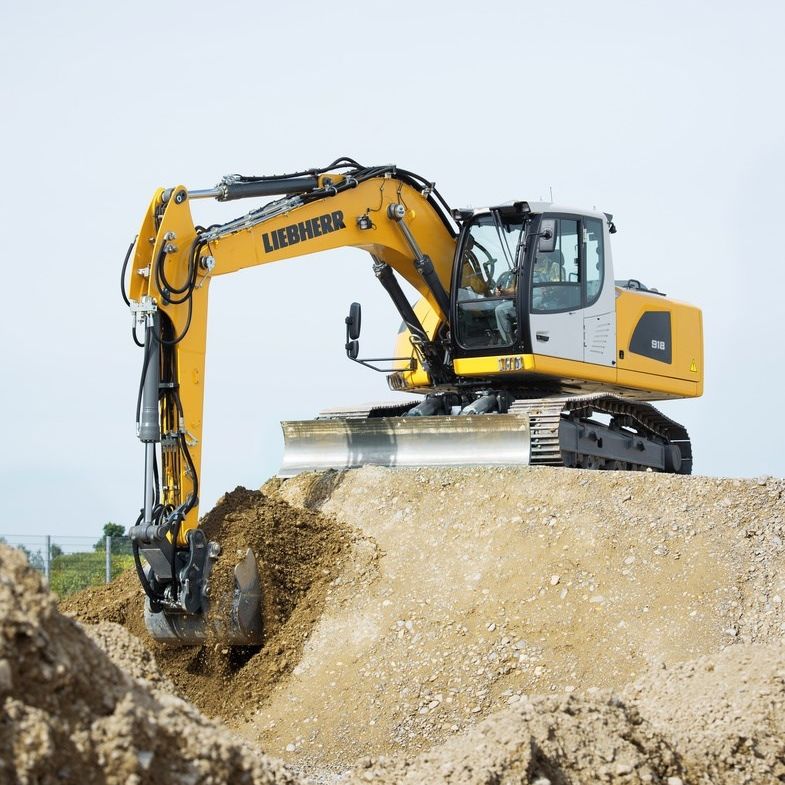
(345,443)
(233,620)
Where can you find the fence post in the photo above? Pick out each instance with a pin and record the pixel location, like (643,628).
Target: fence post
(47,557)
(108,543)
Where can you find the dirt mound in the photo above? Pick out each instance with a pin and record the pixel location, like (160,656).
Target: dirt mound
(725,713)
(718,720)
(299,552)
(408,606)
(71,715)
(499,583)
(545,740)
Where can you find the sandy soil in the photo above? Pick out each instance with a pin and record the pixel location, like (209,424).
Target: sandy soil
(561,615)
(74,712)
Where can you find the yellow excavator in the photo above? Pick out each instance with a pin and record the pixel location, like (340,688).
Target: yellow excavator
(525,349)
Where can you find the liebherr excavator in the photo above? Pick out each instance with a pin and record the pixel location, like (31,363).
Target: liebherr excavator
(526,349)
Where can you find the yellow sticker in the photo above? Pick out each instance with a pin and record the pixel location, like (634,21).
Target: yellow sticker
(693,367)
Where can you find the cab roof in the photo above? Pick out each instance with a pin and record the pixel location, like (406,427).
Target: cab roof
(535,208)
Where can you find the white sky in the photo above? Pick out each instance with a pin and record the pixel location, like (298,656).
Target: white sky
(669,115)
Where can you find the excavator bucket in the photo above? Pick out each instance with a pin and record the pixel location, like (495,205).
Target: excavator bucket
(345,443)
(231,618)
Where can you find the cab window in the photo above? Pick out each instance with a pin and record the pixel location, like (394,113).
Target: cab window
(594,253)
(487,282)
(571,276)
(556,276)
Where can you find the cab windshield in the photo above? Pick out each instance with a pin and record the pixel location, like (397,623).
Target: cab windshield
(487,283)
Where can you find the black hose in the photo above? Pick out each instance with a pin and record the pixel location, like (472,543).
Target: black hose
(166,288)
(122,274)
(156,481)
(336,164)
(173,561)
(145,363)
(186,452)
(155,598)
(174,341)
(187,290)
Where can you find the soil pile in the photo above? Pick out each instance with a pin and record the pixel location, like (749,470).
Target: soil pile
(406,607)
(299,553)
(69,714)
(724,713)
(493,584)
(718,720)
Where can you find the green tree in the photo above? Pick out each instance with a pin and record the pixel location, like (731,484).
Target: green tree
(35,560)
(55,550)
(119,540)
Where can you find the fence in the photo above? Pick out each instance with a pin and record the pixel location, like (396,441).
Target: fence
(70,564)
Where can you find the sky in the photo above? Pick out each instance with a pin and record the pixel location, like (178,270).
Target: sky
(668,115)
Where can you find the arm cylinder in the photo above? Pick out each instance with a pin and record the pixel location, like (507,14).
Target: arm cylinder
(286,185)
(149,417)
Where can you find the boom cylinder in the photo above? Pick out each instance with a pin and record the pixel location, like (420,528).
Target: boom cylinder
(388,280)
(277,186)
(422,262)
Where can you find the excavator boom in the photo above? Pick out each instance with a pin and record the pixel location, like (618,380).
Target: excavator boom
(172,268)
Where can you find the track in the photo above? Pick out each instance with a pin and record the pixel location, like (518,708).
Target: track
(557,424)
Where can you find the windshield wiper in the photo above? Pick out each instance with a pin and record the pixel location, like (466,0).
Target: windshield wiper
(518,247)
(502,240)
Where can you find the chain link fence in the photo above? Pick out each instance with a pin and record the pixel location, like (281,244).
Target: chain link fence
(70,564)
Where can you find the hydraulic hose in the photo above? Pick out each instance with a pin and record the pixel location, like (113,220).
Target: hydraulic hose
(122,273)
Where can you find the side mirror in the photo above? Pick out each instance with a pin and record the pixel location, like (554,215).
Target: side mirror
(547,233)
(353,322)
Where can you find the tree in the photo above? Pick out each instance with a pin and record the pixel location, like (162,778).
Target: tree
(55,550)
(36,560)
(119,540)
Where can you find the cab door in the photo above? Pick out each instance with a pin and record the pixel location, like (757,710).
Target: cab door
(571,306)
(555,320)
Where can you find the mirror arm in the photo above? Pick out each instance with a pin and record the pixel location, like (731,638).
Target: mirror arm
(411,363)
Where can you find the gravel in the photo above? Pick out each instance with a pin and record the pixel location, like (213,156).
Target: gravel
(70,714)
(562,615)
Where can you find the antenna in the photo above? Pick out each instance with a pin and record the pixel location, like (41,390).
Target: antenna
(550,188)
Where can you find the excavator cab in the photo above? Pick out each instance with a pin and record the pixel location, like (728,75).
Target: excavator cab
(534,281)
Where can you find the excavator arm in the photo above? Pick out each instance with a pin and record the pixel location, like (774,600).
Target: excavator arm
(396,216)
